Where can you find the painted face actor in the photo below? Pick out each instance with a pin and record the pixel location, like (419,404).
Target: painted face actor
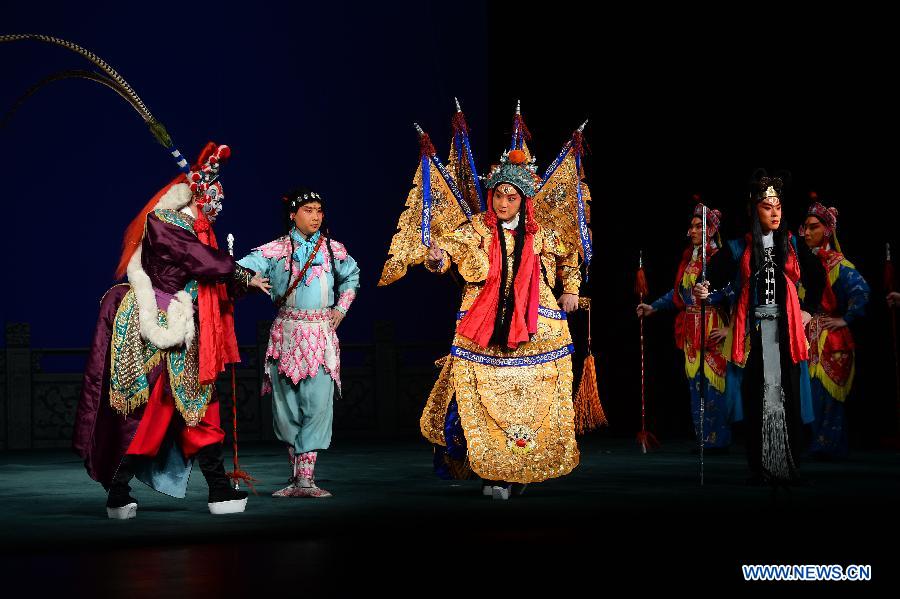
(148,406)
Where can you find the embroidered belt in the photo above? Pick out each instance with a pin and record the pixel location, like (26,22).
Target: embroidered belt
(767,312)
(542,311)
(487,360)
(318,315)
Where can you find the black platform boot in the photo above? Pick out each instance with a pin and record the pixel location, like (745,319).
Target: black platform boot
(120,505)
(223,499)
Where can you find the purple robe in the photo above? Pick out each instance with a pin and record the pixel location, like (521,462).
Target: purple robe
(171,256)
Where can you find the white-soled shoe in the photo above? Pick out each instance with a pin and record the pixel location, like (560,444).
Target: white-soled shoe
(226,500)
(498,492)
(487,490)
(126,512)
(233,506)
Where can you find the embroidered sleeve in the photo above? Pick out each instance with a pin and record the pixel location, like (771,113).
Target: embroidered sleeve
(856,290)
(256,262)
(344,300)
(664,302)
(568,270)
(720,272)
(242,277)
(346,273)
(464,247)
(721,297)
(177,245)
(570,274)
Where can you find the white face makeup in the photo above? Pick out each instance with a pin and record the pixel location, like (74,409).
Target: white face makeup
(506,201)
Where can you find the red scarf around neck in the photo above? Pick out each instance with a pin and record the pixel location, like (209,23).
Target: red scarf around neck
(478,323)
(796,333)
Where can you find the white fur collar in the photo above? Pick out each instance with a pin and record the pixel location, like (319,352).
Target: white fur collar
(177,197)
(180,314)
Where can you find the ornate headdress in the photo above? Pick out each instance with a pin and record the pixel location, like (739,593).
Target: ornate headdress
(515,169)
(444,197)
(769,190)
(827,216)
(713,217)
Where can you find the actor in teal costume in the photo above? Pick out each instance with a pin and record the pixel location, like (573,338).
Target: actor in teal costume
(314,280)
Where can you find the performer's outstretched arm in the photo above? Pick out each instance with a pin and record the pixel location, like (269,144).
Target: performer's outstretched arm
(463,247)
(664,302)
(253,270)
(257,263)
(179,246)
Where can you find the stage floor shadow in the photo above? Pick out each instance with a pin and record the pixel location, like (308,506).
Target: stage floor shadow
(621,518)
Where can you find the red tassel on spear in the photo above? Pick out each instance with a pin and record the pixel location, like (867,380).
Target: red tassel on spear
(237,475)
(645,438)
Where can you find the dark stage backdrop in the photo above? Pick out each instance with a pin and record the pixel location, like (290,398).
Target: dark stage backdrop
(683,103)
(325,93)
(316,93)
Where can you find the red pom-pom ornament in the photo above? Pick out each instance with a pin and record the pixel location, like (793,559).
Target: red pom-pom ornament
(517,157)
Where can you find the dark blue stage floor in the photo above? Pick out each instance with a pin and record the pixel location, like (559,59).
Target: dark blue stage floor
(622,518)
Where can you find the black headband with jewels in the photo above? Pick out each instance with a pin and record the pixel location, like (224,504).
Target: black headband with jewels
(298,198)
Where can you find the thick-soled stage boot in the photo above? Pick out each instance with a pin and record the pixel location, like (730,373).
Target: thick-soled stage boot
(305,484)
(302,483)
(288,491)
(120,505)
(223,499)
